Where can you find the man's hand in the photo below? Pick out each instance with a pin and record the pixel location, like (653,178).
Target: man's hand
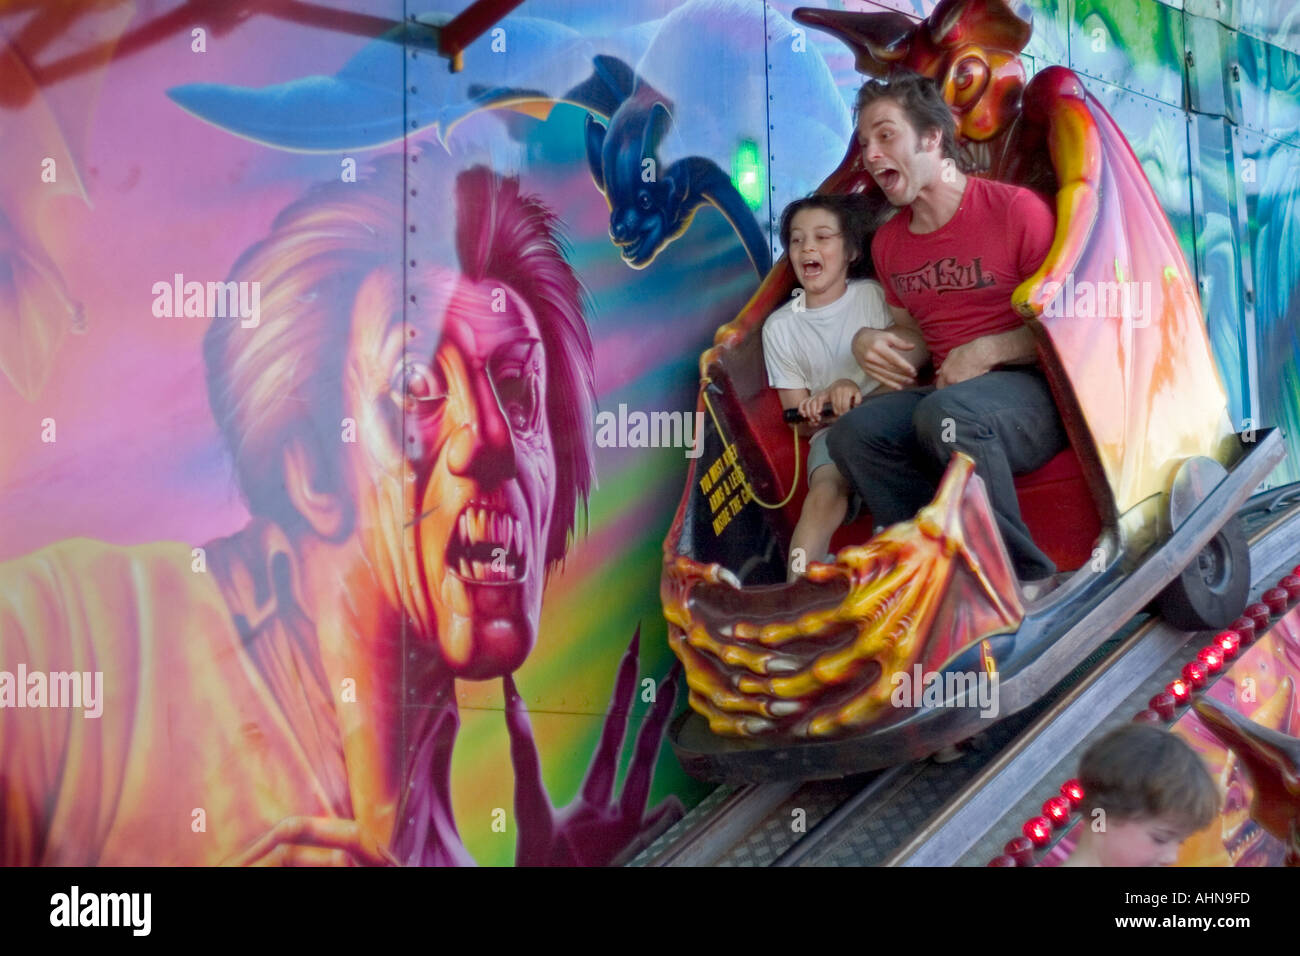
(965,361)
(880,353)
(842,394)
(985,353)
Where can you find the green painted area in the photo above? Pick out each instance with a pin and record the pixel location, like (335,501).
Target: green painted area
(1134,44)
(748,173)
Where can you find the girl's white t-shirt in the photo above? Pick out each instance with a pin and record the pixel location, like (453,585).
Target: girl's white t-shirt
(813,348)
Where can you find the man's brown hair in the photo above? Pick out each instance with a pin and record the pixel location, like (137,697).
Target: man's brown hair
(921,102)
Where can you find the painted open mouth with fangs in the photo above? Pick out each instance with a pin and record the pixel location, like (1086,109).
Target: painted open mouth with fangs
(487,546)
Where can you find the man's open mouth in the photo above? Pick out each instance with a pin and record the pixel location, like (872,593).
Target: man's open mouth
(487,546)
(887,178)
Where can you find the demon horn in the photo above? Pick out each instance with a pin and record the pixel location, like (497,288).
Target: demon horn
(878,40)
(993,24)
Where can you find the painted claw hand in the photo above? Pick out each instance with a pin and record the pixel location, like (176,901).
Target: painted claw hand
(314,841)
(598,826)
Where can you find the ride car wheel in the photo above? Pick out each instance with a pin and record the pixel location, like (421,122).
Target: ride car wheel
(1211,591)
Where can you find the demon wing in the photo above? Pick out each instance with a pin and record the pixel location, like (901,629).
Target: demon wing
(1116,299)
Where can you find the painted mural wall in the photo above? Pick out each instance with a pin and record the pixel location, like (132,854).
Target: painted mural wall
(346,399)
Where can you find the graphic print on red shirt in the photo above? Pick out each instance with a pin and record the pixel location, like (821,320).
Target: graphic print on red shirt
(956,282)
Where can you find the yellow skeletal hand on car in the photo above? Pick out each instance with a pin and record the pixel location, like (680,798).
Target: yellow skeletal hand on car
(828,671)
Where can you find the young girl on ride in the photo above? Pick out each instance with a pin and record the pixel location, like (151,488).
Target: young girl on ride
(807,345)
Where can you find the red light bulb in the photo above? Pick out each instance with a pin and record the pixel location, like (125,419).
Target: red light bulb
(1276,600)
(1245,628)
(1003,860)
(1180,691)
(1228,642)
(1148,716)
(1164,704)
(1039,831)
(1020,850)
(1259,614)
(1057,810)
(1072,790)
(1291,584)
(1194,673)
(1212,658)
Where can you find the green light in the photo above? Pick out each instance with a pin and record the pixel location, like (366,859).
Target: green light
(747,173)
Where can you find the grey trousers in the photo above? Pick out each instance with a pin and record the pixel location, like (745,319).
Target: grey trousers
(895,446)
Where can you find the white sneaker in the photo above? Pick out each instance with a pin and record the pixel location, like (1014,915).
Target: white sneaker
(1031,591)
(947,754)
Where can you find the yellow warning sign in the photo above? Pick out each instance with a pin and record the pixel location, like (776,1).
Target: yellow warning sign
(724,484)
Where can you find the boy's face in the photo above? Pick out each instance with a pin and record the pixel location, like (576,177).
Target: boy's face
(900,161)
(1142,841)
(818,254)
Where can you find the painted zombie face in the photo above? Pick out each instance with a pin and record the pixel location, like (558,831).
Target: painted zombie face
(460,389)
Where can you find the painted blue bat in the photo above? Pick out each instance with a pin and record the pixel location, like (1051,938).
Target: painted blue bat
(368,104)
(651,203)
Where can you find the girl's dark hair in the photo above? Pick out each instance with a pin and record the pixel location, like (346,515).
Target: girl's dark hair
(859,215)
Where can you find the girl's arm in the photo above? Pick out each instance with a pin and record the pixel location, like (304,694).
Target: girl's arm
(792,398)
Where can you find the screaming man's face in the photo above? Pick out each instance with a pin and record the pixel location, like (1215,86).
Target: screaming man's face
(901,161)
(457,477)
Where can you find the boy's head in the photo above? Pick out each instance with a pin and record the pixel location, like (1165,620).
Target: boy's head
(1154,792)
(827,238)
(906,133)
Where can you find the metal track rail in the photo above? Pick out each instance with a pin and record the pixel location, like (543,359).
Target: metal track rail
(705,842)
(822,836)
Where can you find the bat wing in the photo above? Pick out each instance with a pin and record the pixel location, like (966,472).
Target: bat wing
(712,185)
(610,83)
(1128,329)
(366,104)
(313,114)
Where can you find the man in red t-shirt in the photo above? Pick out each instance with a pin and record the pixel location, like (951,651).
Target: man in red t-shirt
(949,261)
